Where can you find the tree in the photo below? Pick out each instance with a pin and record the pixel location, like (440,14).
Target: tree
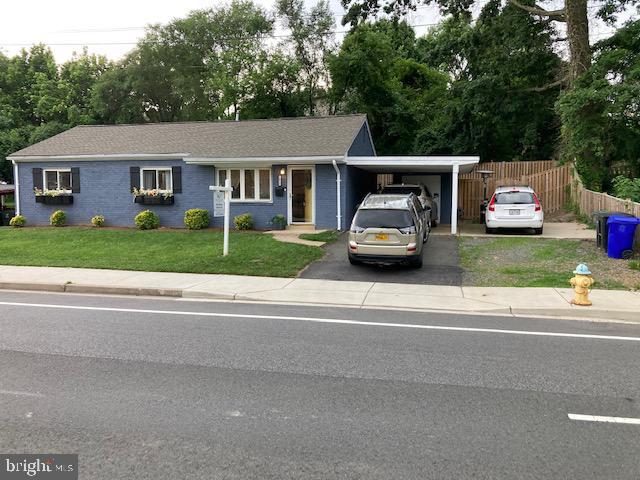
(573,14)
(396,93)
(313,42)
(601,114)
(496,105)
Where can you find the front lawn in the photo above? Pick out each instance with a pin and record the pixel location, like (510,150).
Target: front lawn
(185,251)
(538,262)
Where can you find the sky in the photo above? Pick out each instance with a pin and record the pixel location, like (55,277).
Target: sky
(112,27)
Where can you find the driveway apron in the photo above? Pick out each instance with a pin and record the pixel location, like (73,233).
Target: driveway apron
(440,256)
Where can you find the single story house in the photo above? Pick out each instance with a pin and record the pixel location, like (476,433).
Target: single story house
(312,170)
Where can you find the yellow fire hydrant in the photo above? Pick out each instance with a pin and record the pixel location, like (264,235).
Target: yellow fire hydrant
(581,283)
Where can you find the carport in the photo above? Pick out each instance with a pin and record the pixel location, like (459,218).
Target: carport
(361,178)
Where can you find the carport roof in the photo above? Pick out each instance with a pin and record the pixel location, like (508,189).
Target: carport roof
(414,164)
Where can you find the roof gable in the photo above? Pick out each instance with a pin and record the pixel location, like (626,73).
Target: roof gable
(285,137)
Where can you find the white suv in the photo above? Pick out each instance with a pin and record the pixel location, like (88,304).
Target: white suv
(514,207)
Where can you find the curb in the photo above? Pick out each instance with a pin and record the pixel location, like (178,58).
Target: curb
(581,313)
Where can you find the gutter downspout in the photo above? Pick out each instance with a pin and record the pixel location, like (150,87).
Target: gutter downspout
(16,182)
(454,199)
(338,199)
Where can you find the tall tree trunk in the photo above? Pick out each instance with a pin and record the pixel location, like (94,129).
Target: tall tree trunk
(578,36)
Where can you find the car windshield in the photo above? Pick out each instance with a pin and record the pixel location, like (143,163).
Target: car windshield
(514,198)
(374,218)
(402,189)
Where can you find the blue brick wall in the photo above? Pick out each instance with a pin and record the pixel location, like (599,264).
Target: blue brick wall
(105,189)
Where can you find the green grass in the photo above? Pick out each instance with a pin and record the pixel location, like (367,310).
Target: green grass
(329,236)
(537,262)
(250,253)
(634,265)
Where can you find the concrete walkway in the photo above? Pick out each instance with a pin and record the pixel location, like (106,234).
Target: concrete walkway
(293,236)
(567,230)
(607,304)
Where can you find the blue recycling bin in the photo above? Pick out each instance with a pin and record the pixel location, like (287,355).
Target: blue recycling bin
(621,234)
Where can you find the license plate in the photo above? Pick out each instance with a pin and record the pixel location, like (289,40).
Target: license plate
(514,212)
(382,236)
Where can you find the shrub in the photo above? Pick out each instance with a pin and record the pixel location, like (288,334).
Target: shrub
(18,221)
(243,221)
(627,188)
(97,221)
(58,218)
(634,265)
(279,221)
(196,219)
(147,220)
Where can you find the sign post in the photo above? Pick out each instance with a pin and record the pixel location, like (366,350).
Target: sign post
(221,200)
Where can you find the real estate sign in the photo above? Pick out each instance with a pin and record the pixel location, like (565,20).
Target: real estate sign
(218,204)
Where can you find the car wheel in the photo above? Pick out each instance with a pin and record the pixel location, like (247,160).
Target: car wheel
(416,262)
(353,261)
(538,231)
(489,230)
(434,223)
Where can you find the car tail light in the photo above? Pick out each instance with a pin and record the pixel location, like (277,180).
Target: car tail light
(353,246)
(537,202)
(492,204)
(408,230)
(411,247)
(356,229)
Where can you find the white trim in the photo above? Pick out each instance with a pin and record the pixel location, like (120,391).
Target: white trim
(58,171)
(157,169)
(16,182)
(454,199)
(253,161)
(91,158)
(256,182)
(338,197)
(311,168)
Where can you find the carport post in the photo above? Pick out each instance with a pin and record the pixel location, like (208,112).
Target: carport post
(454,199)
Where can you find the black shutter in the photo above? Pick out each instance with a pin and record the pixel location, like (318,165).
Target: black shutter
(176,174)
(134,174)
(37,178)
(75,180)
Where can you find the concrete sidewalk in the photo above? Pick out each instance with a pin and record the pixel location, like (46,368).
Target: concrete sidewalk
(557,230)
(607,304)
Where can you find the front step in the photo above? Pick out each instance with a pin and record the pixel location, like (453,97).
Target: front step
(302,228)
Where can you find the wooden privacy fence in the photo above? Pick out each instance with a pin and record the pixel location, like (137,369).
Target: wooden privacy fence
(589,201)
(510,169)
(549,182)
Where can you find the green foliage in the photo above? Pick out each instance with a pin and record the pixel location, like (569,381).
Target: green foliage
(279,221)
(599,115)
(627,188)
(496,105)
(58,218)
(634,265)
(147,220)
(97,221)
(196,219)
(18,221)
(243,221)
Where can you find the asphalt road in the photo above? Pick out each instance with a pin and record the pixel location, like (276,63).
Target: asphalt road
(155,389)
(441,265)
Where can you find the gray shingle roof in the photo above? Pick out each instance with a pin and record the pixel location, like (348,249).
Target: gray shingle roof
(286,137)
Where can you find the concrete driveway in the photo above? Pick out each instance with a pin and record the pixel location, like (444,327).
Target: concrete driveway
(441,265)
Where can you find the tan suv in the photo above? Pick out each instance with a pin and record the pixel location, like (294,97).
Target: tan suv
(388,229)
